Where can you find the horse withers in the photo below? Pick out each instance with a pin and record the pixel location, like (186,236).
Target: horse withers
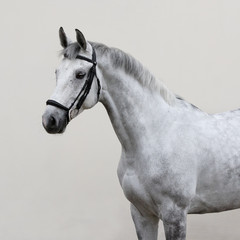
(176,159)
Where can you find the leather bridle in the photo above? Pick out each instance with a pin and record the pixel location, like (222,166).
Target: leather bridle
(85,89)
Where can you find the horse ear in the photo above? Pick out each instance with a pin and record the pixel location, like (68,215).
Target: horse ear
(81,39)
(63,38)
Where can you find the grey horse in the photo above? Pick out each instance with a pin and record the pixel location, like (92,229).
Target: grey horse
(176,159)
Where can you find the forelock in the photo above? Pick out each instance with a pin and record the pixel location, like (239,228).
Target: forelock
(71,51)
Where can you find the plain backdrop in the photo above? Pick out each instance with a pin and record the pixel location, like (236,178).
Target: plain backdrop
(66,187)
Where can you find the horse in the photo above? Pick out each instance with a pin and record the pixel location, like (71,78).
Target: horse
(175,160)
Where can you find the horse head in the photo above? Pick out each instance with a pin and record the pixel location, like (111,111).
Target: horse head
(77,85)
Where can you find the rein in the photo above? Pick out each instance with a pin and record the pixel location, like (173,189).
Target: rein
(85,89)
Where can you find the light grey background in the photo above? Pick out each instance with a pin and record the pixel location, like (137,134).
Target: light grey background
(66,187)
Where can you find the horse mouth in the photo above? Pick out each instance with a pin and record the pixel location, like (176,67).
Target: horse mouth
(62,130)
(55,131)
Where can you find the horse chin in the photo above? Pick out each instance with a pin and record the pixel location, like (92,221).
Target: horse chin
(61,131)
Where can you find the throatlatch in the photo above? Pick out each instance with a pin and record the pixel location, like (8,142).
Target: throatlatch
(85,89)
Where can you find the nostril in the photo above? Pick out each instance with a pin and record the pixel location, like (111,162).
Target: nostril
(52,121)
(49,122)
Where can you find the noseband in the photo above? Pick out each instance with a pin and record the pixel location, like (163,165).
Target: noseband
(85,89)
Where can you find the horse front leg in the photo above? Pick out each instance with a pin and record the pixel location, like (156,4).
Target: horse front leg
(146,227)
(174,222)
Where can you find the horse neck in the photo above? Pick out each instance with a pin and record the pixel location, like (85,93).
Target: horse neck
(132,107)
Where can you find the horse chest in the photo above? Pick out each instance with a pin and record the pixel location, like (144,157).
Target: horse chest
(132,187)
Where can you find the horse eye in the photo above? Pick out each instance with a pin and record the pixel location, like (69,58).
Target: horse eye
(80,75)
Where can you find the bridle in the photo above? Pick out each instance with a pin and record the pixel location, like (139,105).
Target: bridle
(85,89)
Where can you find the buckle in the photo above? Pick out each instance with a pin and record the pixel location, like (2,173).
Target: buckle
(72,113)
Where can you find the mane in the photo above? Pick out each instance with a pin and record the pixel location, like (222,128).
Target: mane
(129,64)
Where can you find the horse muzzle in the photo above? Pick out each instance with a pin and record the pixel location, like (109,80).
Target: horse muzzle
(54,122)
